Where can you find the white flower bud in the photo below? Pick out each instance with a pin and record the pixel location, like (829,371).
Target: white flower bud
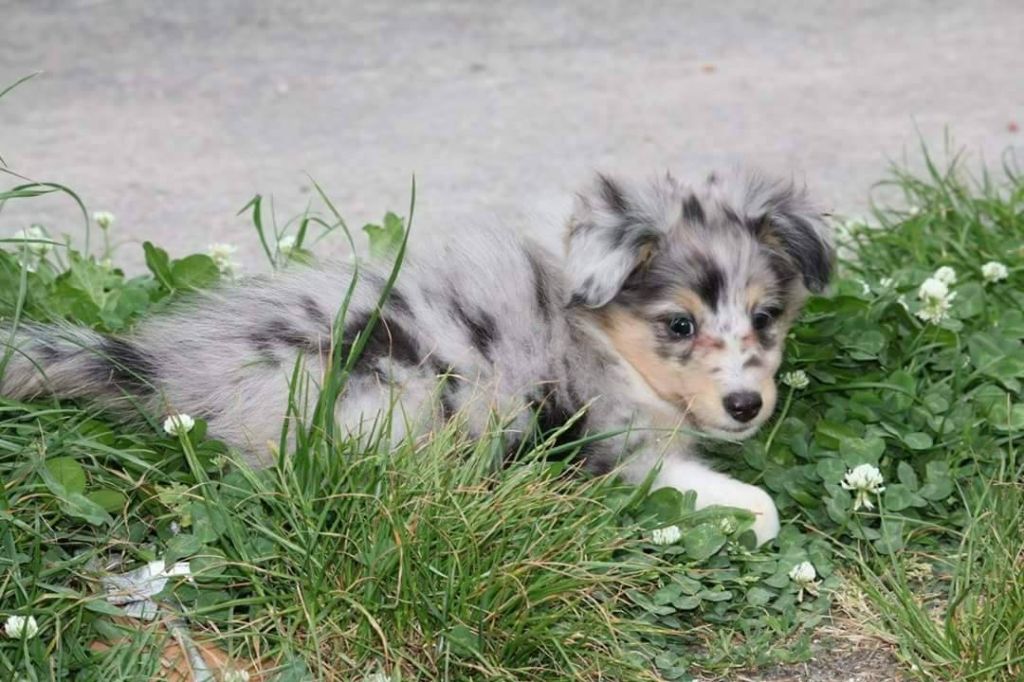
(36,240)
(286,244)
(18,627)
(946,275)
(178,424)
(936,298)
(864,480)
(803,573)
(666,536)
(222,255)
(104,219)
(933,289)
(994,271)
(796,379)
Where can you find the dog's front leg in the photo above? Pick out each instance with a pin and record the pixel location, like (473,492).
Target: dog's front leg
(712,487)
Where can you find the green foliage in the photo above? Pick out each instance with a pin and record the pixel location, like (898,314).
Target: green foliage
(192,272)
(958,615)
(385,239)
(94,293)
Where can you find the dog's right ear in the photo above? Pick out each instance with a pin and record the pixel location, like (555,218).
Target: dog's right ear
(791,224)
(609,238)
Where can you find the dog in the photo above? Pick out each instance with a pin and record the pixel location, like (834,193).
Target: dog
(663,323)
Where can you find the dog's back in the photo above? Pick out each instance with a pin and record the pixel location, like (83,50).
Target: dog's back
(476,326)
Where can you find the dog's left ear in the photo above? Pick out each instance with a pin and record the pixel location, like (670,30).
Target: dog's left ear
(791,224)
(610,237)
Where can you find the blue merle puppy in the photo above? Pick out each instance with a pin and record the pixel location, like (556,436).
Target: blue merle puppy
(665,320)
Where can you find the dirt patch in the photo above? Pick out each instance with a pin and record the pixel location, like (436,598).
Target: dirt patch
(847,648)
(836,661)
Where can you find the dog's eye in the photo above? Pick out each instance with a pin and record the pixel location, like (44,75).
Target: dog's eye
(682,326)
(762,319)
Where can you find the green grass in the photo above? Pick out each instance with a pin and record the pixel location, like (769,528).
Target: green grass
(954,602)
(331,565)
(426,562)
(960,614)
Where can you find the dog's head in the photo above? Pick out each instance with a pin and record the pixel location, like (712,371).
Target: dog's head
(697,287)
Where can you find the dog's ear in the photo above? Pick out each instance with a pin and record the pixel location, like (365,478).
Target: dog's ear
(610,237)
(791,225)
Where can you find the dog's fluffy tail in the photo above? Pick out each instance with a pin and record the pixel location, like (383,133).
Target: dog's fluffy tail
(66,361)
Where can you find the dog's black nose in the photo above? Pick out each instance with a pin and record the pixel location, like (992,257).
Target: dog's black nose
(742,405)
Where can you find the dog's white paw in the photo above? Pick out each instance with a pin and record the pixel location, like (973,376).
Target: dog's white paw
(766,516)
(715,488)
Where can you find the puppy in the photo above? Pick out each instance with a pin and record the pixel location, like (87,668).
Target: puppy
(663,322)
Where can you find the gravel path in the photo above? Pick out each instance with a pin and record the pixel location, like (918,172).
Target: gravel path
(172,115)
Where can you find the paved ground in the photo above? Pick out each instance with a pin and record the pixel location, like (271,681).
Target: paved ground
(172,115)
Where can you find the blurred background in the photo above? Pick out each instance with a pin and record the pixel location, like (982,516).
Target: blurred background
(173,115)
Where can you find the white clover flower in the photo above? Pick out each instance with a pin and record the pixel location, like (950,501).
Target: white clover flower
(933,288)
(887,283)
(936,298)
(18,627)
(865,480)
(805,577)
(796,379)
(803,573)
(934,311)
(35,238)
(994,271)
(666,536)
(286,244)
(913,210)
(946,275)
(235,675)
(222,257)
(35,247)
(29,262)
(104,219)
(178,424)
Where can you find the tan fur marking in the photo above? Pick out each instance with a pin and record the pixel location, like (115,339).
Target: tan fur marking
(691,303)
(631,336)
(754,293)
